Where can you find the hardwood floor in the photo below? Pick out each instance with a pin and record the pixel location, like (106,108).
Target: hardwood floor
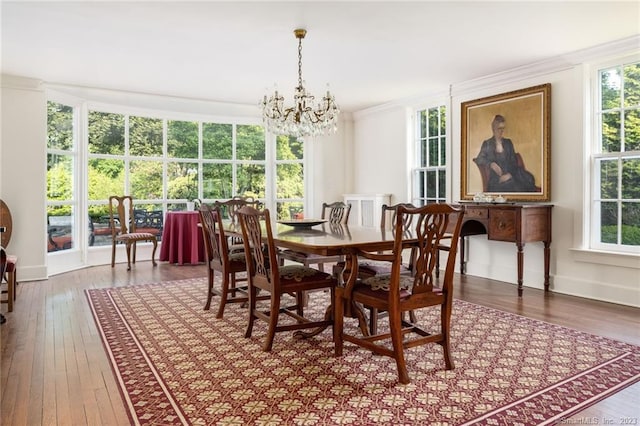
(54,370)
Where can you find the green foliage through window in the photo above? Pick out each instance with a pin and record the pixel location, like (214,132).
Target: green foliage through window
(617,161)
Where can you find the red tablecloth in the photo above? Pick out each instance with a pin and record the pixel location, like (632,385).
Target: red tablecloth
(182,240)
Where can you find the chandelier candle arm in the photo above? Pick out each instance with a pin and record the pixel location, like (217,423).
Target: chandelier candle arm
(303,118)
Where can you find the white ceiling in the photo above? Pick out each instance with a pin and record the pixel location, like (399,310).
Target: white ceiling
(369,52)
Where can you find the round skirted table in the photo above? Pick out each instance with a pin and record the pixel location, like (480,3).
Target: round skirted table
(182,241)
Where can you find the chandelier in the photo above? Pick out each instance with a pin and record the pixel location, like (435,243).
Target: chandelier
(303,118)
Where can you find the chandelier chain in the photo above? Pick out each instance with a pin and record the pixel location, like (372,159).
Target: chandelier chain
(300,62)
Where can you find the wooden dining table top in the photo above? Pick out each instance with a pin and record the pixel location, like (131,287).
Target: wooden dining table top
(326,239)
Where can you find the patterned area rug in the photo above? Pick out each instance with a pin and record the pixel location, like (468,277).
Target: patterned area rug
(176,364)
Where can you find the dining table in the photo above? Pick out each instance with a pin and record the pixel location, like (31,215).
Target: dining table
(328,239)
(182,239)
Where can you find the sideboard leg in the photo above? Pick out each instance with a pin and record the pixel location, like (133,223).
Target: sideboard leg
(520,267)
(463,264)
(547,255)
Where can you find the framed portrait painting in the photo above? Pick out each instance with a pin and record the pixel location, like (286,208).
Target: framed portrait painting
(506,145)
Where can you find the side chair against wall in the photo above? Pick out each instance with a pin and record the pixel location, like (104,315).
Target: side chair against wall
(221,259)
(123,229)
(335,213)
(9,261)
(266,274)
(3,266)
(397,293)
(8,275)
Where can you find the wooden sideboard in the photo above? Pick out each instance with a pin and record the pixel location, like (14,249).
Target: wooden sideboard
(517,223)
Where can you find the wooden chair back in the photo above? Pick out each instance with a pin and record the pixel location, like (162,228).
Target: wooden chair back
(122,221)
(222,259)
(215,242)
(3,262)
(336,212)
(432,222)
(121,215)
(267,275)
(229,208)
(7,223)
(264,268)
(391,212)
(398,293)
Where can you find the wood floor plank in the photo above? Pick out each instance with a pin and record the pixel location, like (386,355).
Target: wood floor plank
(54,370)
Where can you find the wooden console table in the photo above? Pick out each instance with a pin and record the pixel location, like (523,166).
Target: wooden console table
(518,223)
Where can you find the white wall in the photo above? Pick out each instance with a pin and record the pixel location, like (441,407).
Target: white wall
(23,171)
(23,164)
(606,277)
(381,150)
(368,155)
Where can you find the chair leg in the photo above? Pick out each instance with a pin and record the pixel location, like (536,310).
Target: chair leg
(373,321)
(302,300)
(445,324)
(210,276)
(395,325)
(135,245)
(11,289)
(338,320)
(113,254)
(253,294)
(129,256)
(274,314)
(153,254)
(224,294)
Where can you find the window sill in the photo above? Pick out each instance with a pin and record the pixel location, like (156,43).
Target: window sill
(625,260)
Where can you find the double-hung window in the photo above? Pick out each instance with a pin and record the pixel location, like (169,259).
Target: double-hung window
(430,171)
(615,159)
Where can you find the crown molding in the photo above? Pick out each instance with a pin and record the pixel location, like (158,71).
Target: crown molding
(559,63)
(23,83)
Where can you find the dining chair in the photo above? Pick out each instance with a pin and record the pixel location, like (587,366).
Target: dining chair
(229,211)
(267,275)
(369,268)
(335,213)
(397,293)
(8,275)
(123,229)
(220,258)
(9,261)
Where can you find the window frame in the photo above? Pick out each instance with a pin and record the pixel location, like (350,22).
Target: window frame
(82,157)
(593,228)
(75,154)
(419,186)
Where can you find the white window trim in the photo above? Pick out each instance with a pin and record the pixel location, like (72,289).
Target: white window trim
(414,167)
(591,251)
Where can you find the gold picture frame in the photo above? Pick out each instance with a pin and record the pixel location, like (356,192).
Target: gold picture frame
(523,119)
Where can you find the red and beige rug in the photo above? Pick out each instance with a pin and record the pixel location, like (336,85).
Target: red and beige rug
(176,364)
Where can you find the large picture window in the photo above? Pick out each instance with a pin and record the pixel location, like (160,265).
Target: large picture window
(163,163)
(615,208)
